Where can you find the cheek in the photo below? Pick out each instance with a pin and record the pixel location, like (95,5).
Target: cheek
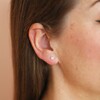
(87,45)
(92,50)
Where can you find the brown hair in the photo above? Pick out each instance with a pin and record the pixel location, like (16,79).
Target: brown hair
(32,73)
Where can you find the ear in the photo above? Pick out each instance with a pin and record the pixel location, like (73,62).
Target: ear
(41,44)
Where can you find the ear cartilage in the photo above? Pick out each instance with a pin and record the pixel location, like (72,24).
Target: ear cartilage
(52,57)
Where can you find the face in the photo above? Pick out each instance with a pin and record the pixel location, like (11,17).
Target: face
(78,46)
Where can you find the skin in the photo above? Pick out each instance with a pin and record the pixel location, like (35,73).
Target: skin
(80,44)
(75,68)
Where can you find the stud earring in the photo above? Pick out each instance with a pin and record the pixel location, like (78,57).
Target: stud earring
(52,57)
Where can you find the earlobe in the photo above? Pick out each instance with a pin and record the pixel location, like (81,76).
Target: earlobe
(50,57)
(41,44)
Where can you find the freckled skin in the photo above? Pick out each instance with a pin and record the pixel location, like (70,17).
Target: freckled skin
(80,46)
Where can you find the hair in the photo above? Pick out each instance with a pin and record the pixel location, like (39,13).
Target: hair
(31,74)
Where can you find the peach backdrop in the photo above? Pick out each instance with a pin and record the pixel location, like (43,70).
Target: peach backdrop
(6,70)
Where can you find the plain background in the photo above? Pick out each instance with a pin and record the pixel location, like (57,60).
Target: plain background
(6,69)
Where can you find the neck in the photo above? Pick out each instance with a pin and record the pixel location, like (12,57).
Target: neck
(60,88)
